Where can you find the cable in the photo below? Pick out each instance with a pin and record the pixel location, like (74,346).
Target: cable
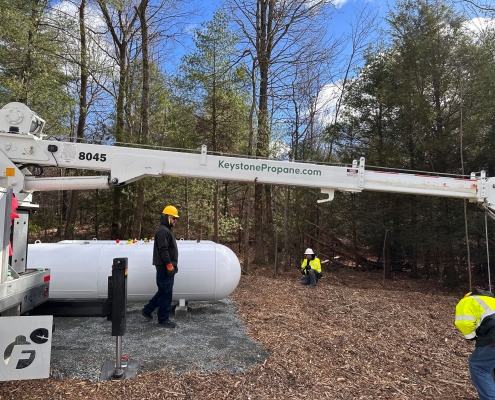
(38,169)
(487,253)
(51,152)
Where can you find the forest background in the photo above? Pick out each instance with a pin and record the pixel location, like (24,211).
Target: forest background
(264,78)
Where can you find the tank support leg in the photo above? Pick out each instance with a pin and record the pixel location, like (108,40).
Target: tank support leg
(181,308)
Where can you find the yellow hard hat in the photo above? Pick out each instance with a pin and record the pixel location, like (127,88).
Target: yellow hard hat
(171,210)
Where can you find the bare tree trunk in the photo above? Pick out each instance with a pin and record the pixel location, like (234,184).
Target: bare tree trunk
(186,204)
(388,263)
(262,151)
(414,229)
(71,215)
(269,226)
(275,270)
(215,212)
(115,222)
(138,211)
(145,111)
(259,248)
(81,123)
(354,232)
(120,36)
(466,232)
(247,207)
(97,221)
(384,255)
(318,228)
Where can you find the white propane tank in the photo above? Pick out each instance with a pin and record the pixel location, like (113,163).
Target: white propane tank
(80,269)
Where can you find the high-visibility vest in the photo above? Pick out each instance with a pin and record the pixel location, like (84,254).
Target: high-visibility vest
(471,311)
(314,264)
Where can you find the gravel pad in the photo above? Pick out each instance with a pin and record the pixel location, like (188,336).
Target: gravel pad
(209,338)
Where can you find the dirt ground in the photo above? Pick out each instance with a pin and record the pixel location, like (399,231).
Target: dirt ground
(351,337)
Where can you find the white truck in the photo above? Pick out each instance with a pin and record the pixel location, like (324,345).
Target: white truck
(22,144)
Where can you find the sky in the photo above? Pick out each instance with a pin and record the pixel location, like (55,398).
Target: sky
(341,23)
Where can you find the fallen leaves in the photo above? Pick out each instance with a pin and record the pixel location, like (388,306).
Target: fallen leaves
(358,339)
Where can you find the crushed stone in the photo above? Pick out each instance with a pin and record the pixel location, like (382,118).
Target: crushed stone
(209,338)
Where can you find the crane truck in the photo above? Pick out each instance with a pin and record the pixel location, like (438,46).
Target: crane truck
(22,144)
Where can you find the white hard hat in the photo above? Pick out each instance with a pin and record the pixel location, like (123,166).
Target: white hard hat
(309,251)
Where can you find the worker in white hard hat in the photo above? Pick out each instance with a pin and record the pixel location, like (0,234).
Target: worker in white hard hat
(310,268)
(165,258)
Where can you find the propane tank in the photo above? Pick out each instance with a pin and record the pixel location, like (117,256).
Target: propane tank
(80,269)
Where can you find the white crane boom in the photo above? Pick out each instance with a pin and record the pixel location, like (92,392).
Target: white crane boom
(19,146)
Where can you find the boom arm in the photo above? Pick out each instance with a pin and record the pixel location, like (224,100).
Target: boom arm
(125,164)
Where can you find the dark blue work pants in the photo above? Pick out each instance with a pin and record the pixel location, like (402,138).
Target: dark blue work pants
(481,365)
(309,279)
(163,297)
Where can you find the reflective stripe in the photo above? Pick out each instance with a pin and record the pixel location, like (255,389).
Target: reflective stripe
(488,310)
(481,303)
(470,335)
(465,318)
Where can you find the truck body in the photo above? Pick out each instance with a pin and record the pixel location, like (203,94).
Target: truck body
(22,144)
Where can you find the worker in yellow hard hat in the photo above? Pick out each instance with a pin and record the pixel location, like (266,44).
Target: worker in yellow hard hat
(310,268)
(165,258)
(475,319)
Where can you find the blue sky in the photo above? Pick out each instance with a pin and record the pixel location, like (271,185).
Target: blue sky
(345,13)
(340,24)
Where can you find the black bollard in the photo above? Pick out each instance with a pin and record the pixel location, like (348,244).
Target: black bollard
(119,296)
(119,309)
(117,299)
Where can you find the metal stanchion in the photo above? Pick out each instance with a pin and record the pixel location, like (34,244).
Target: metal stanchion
(117,297)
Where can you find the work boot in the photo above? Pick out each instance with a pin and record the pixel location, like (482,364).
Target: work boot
(167,324)
(149,317)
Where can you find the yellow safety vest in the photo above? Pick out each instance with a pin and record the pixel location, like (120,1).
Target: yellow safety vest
(314,264)
(470,312)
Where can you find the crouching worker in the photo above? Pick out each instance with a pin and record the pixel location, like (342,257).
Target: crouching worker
(310,268)
(475,319)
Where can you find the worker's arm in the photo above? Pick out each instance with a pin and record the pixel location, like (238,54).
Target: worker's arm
(303,267)
(316,265)
(465,317)
(162,241)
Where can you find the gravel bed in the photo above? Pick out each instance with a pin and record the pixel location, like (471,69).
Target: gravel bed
(209,338)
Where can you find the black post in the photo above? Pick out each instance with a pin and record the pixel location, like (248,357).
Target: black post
(119,296)
(117,313)
(119,309)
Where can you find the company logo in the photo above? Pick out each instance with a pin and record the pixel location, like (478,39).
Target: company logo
(23,351)
(263,167)
(25,346)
